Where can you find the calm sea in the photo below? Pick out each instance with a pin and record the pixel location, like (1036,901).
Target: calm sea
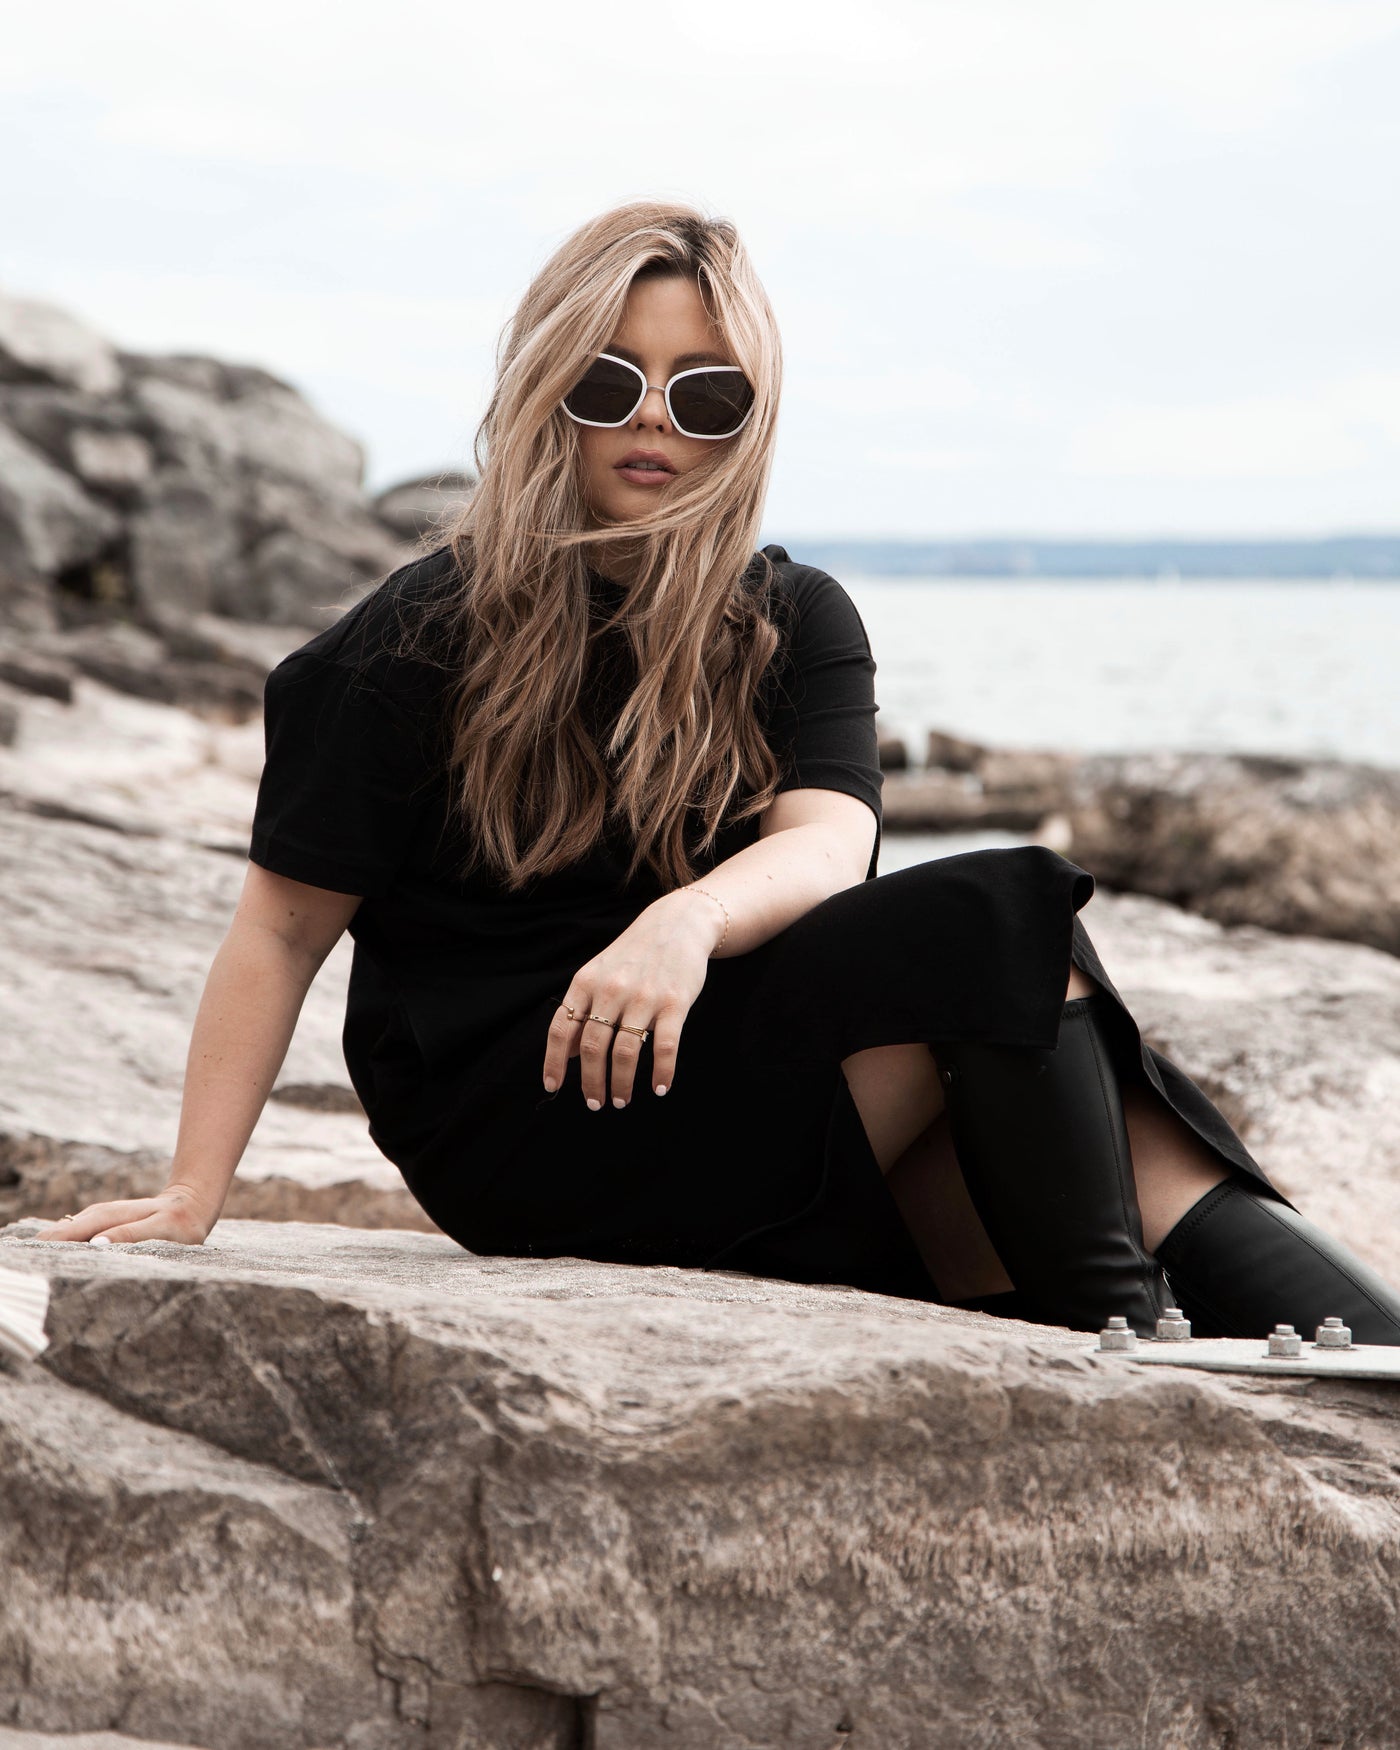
(1109,666)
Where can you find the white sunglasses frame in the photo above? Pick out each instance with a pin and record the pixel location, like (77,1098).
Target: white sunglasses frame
(694,371)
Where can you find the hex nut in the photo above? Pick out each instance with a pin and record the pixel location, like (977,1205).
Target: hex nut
(1333,1334)
(1117,1334)
(1173,1326)
(1284,1340)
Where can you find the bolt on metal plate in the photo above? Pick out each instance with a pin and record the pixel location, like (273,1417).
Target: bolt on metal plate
(1321,1359)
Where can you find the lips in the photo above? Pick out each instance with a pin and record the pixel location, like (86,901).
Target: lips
(643,457)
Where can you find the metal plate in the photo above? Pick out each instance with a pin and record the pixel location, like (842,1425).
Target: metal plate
(1250,1355)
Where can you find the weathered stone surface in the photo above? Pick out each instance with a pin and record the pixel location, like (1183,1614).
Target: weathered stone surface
(1303,846)
(13,1740)
(37,674)
(185,549)
(1308,847)
(41,343)
(893,750)
(47,522)
(933,800)
(161,487)
(302,1486)
(123,844)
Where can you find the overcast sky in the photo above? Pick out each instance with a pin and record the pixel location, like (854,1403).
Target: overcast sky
(1060,267)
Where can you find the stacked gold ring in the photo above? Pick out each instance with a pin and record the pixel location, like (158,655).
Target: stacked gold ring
(643,1033)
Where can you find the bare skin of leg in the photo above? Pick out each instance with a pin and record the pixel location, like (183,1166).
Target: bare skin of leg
(897,1093)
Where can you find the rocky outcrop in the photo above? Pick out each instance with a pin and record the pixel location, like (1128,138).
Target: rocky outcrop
(302,1487)
(123,843)
(1302,846)
(1307,847)
(156,488)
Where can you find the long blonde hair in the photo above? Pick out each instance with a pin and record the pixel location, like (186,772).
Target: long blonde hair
(532,788)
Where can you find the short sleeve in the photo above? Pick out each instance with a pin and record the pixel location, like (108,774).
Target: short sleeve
(343,774)
(823,720)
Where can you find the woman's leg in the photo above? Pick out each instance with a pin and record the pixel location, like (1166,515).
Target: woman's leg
(1068,1173)
(900,1100)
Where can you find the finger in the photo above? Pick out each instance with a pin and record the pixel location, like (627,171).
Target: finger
(665,1046)
(561,1040)
(626,1051)
(154,1227)
(96,1217)
(594,1050)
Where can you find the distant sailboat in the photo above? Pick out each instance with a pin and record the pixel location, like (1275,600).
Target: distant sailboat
(24,1301)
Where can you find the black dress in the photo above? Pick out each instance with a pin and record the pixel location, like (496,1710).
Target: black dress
(755,1158)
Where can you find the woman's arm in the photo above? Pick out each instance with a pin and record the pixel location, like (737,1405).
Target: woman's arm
(811,844)
(281,932)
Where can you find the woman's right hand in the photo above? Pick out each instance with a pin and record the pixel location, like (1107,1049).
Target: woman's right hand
(175,1213)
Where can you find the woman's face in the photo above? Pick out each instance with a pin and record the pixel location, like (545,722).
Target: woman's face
(664,329)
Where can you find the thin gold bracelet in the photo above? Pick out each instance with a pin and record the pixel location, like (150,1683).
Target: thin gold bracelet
(692,888)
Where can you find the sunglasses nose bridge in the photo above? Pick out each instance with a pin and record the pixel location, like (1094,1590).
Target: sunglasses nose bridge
(652,388)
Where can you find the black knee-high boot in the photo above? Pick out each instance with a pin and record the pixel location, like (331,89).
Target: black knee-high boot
(1043,1145)
(1239,1261)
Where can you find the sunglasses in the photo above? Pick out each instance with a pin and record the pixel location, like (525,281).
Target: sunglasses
(711,401)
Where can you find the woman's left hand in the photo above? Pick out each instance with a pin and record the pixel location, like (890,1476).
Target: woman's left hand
(649,976)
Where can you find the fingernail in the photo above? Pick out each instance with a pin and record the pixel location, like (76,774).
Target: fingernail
(662,1088)
(550,1084)
(617,1102)
(99,1240)
(595,1105)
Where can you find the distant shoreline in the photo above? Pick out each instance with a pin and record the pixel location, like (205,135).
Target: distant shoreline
(1341,558)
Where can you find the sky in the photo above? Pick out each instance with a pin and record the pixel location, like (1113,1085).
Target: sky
(1041,267)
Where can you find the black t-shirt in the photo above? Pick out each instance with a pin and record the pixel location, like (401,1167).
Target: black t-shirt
(354,797)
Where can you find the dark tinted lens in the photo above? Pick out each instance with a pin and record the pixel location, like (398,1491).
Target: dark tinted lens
(711,403)
(607,392)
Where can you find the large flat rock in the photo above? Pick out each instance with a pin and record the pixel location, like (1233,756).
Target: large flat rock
(306,1486)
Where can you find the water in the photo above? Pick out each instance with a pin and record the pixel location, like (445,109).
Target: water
(1114,666)
(1286,668)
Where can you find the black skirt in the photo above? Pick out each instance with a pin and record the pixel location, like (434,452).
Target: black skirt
(756,1159)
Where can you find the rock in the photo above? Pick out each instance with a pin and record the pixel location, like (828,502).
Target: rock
(422,510)
(1307,847)
(156,488)
(35,674)
(48,524)
(307,1487)
(134,660)
(185,547)
(98,438)
(940,801)
(952,752)
(40,343)
(894,752)
(106,937)
(115,461)
(48,1177)
(1302,846)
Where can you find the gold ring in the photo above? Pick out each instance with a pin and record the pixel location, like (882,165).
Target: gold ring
(643,1033)
(603,1019)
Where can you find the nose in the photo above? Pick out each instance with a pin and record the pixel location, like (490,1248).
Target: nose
(653,408)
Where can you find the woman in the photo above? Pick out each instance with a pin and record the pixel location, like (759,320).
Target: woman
(594,788)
